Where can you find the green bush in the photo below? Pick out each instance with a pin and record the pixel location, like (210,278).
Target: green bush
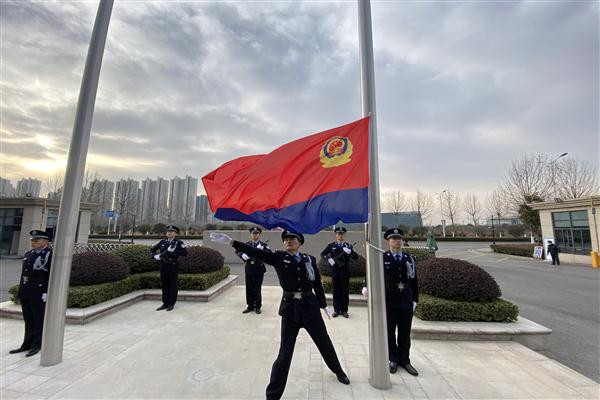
(201,260)
(515,249)
(95,267)
(454,279)
(432,308)
(85,296)
(137,256)
(355,286)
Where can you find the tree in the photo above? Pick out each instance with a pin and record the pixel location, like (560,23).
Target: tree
(527,177)
(422,203)
(159,228)
(52,186)
(528,215)
(516,230)
(576,179)
(396,202)
(450,205)
(472,207)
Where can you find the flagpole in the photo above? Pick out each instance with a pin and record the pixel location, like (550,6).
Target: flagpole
(60,271)
(379,376)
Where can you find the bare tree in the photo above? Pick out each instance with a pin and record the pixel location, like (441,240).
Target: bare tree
(496,206)
(52,185)
(126,201)
(422,203)
(396,202)
(576,179)
(528,176)
(450,205)
(472,207)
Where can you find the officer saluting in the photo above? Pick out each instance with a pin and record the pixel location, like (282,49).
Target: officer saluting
(303,295)
(338,255)
(170,249)
(32,291)
(401,298)
(254,272)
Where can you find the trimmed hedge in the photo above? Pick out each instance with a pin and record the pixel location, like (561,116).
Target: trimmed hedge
(454,279)
(95,267)
(355,286)
(201,260)
(432,308)
(137,256)
(85,296)
(515,249)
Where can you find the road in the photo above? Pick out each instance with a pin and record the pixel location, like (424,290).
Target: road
(564,299)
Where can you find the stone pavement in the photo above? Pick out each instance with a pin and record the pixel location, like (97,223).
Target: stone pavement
(212,351)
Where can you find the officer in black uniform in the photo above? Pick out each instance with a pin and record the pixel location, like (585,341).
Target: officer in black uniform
(33,288)
(401,298)
(303,295)
(553,251)
(169,251)
(254,272)
(338,255)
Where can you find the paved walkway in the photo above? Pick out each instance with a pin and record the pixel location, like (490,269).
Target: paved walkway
(212,351)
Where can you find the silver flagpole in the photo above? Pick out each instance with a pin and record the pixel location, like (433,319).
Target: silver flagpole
(379,375)
(58,287)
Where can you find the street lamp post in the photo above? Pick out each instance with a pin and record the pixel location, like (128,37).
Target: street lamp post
(493,232)
(133,229)
(442,213)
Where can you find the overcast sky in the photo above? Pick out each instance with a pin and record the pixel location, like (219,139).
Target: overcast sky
(462,87)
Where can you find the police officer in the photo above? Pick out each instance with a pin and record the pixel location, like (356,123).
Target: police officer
(401,298)
(169,251)
(303,295)
(254,272)
(553,251)
(338,255)
(32,291)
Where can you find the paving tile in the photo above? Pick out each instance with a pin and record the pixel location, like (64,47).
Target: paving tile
(27,383)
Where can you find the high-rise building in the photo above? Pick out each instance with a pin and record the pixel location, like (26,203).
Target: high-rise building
(6,188)
(182,200)
(29,187)
(202,210)
(154,201)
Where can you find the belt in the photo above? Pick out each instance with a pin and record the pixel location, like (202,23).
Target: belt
(400,286)
(296,295)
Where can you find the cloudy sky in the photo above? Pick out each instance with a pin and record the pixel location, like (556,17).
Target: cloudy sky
(462,87)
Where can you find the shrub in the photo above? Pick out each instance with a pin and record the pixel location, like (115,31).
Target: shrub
(432,308)
(201,260)
(518,249)
(85,296)
(354,287)
(94,267)
(454,279)
(137,256)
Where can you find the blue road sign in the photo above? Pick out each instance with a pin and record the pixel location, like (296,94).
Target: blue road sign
(109,213)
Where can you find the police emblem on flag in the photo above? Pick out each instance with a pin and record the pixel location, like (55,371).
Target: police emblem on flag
(335,152)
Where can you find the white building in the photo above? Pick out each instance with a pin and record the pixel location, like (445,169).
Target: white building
(182,200)
(29,187)
(154,201)
(202,210)
(6,188)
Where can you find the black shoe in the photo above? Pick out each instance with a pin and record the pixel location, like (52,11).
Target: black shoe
(247,310)
(345,315)
(410,369)
(170,308)
(19,350)
(393,367)
(32,352)
(342,377)
(335,314)
(161,307)
(258,311)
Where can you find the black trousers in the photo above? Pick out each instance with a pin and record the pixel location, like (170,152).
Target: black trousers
(169,274)
(253,290)
(340,293)
(289,331)
(33,315)
(555,258)
(399,346)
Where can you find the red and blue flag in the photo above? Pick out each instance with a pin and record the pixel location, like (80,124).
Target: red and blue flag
(303,186)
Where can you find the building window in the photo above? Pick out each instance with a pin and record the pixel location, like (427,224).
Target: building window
(572,232)
(10,229)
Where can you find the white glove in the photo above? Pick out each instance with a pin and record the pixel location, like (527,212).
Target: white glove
(414,306)
(260,246)
(171,249)
(44,297)
(245,257)
(157,257)
(220,238)
(331,262)
(347,250)
(328,312)
(365,291)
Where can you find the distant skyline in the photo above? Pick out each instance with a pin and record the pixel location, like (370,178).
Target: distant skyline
(462,88)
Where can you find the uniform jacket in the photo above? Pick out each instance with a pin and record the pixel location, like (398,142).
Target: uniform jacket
(35,274)
(293,277)
(170,251)
(400,289)
(553,249)
(335,250)
(253,265)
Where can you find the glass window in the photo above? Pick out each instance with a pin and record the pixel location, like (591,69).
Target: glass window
(571,231)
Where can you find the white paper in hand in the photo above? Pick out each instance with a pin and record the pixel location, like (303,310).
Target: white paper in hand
(328,312)
(245,257)
(331,262)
